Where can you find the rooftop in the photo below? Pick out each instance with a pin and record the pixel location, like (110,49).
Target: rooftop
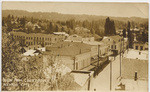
(95,43)
(68,48)
(136,86)
(131,64)
(31,34)
(61,33)
(136,54)
(116,37)
(81,77)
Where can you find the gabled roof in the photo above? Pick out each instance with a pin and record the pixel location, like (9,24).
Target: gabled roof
(115,38)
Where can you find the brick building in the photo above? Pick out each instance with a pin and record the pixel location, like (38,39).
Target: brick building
(37,38)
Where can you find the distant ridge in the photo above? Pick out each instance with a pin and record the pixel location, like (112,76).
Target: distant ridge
(63,17)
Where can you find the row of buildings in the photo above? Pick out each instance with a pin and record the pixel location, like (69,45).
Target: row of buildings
(34,39)
(75,51)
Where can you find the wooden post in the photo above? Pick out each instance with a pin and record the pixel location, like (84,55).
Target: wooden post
(74,63)
(120,58)
(110,74)
(98,54)
(89,82)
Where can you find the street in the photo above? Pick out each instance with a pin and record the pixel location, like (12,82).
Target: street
(102,81)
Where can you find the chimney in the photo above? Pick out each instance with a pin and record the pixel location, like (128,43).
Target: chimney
(135,77)
(139,53)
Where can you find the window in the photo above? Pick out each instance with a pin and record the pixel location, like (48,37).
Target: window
(26,37)
(115,46)
(141,47)
(74,36)
(136,47)
(111,46)
(76,65)
(29,38)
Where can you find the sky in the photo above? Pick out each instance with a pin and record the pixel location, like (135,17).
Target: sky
(90,8)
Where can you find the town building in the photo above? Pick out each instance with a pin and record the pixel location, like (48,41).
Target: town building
(98,48)
(77,38)
(37,38)
(61,33)
(140,45)
(134,71)
(75,55)
(115,43)
(84,79)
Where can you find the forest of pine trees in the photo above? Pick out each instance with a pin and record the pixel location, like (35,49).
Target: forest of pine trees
(99,27)
(110,27)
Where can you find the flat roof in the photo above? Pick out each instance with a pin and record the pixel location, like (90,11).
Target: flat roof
(137,54)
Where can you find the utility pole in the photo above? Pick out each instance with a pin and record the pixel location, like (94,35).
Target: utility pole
(89,82)
(123,44)
(74,64)
(98,54)
(97,67)
(110,74)
(120,57)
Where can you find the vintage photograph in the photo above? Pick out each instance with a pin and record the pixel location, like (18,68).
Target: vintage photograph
(74,46)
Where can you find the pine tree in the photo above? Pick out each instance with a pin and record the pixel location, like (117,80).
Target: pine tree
(51,28)
(109,27)
(130,35)
(23,22)
(124,33)
(62,29)
(56,29)
(92,31)
(113,28)
(3,23)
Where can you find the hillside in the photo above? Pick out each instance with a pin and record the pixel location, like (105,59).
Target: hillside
(63,17)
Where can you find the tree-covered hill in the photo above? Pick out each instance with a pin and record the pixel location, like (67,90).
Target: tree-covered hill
(63,17)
